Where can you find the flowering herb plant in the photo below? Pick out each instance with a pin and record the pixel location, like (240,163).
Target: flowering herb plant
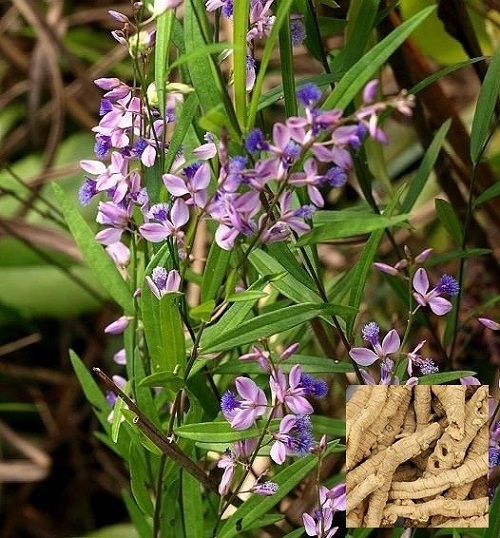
(237,343)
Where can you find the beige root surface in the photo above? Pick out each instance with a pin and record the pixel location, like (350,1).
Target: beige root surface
(418,454)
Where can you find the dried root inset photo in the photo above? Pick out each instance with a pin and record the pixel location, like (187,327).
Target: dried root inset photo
(417,456)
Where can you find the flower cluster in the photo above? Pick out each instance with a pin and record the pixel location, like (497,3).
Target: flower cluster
(320,523)
(383,351)
(288,402)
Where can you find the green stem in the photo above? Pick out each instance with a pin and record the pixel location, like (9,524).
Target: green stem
(240,28)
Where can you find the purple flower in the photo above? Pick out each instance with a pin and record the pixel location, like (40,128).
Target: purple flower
(297,30)
(494,456)
(320,523)
(166,227)
(162,281)
(447,284)
(439,305)
(255,141)
(336,177)
(366,357)
(294,437)
(311,179)
(116,218)
(290,392)
(87,191)
(195,186)
(265,488)
(241,414)
(314,386)
(258,355)
(370,91)
(118,326)
(229,464)
(250,73)
(260,21)
(489,324)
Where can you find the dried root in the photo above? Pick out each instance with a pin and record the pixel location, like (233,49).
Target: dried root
(423,457)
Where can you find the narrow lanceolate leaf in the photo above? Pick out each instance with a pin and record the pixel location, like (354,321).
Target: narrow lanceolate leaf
(93,393)
(138,479)
(310,365)
(289,286)
(216,432)
(363,268)
(418,182)
(94,255)
(449,220)
(235,315)
(361,72)
(444,377)
(240,25)
(256,506)
(164,24)
(493,529)
(485,109)
(360,22)
(272,323)
(214,272)
(192,506)
(164,332)
(332,225)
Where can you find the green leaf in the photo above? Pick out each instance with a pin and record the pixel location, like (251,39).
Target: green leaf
(246,296)
(297,533)
(330,225)
(91,390)
(216,121)
(162,379)
(444,377)
(235,315)
(333,427)
(164,25)
(95,256)
(445,257)
(192,506)
(140,522)
(256,506)
(138,479)
(117,415)
(449,220)
(362,71)
(360,22)
(203,311)
(491,192)
(205,50)
(310,365)
(182,125)
(493,530)
(272,323)
(205,77)
(485,109)
(287,71)
(215,432)
(240,27)
(442,73)
(289,285)
(164,331)
(214,272)
(418,182)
